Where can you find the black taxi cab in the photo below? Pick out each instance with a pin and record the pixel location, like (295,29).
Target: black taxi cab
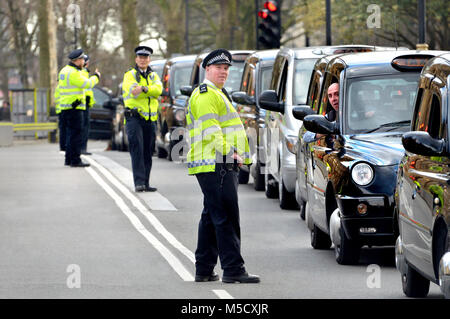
(423,187)
(351,167)
(256,78)
(172,107)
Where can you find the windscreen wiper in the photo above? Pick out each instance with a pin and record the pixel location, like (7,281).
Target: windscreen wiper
(391,124)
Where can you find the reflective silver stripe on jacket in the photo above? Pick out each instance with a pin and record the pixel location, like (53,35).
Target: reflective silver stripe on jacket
(207,131)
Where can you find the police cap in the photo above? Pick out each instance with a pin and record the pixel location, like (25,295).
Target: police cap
(143,50)
(76,54)
(86,57)
(219,56)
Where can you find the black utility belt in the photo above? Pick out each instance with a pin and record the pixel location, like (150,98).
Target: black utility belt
(131,113)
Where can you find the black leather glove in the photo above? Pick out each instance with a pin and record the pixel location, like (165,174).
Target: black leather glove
(76,103)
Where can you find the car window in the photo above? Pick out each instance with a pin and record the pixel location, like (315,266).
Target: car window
(246,79)
(266,77)
(180,78)
(302,75)
(234,77)
(375,101)
(434,119)
(100,97)
(158,69)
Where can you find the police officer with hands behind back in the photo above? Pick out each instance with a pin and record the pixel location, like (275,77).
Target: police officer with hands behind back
(141,88)
(72,103)
(219,146)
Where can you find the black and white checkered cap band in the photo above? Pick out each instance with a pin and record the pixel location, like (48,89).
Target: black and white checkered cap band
(143,52)
(222,58)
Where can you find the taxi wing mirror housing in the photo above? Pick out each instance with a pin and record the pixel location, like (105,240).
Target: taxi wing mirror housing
(319,124)
(186,90)
(268,100)
(243,98)
(300,112)
(421,143)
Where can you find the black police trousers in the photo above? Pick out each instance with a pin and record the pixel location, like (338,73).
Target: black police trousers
(62,132)
(141,138)
(73,121)
(219,231)
(85,130)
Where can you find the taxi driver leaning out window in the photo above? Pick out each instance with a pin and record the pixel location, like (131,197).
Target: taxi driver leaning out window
(333,98)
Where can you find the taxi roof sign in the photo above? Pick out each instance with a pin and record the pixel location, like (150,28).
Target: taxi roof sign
(410,62)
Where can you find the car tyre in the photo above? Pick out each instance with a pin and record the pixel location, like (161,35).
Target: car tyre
(258,183)
(414,284)
(319,239)
(270,186)
(161,152)
(348,251)
(302,207)
(287,200)
(243,176)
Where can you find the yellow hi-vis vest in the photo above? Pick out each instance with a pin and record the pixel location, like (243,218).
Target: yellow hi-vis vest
(57,102)
(72,84)
(145,103)
(88,92)
(215,130)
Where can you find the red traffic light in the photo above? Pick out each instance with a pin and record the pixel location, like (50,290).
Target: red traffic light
(271,6)
(263,14)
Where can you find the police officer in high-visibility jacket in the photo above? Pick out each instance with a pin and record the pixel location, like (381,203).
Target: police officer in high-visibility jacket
(72,102)
(90,101)
(218,146)
(141,88)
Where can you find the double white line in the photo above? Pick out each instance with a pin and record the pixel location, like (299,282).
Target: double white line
(173,261)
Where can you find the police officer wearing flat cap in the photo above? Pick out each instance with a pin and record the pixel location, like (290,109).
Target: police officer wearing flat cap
(219,146)
(141,88)
(72,102)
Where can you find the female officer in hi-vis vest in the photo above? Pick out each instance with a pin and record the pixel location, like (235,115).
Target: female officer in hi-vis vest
(141,88)
(218,146)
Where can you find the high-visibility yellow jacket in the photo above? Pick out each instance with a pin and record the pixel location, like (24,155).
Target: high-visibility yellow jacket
(88,92)
(57,102)
(72,84)
(146,103)
(215,130)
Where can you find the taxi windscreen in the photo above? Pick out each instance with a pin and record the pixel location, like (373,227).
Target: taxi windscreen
(181,76)
(302,75)
(380,103)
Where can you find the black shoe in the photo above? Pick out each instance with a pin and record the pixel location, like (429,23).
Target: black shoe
(80,164)
(213,277)
(66,164)
(150,189)
(244,278)
(139,189)
(86,153)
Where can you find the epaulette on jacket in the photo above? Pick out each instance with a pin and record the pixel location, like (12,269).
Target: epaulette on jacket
(203,88)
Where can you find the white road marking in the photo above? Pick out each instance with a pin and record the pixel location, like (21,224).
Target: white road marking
(173,261)
(176,264)
(154,200)
(222,294)
(144,211)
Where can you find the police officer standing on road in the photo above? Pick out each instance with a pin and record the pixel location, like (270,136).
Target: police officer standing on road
(72,103)
(219,146)
(141,88)
(90,101)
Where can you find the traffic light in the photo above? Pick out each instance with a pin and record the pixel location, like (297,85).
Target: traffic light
(269,26)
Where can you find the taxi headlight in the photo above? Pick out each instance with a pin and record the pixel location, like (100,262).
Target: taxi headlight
(180,115)
(362,174)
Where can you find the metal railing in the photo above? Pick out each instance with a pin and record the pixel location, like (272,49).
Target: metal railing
(30,112)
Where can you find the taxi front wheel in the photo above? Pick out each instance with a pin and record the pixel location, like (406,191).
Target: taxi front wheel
(347,251)
(414,284)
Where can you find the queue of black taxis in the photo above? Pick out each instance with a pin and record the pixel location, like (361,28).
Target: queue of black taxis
(351,170)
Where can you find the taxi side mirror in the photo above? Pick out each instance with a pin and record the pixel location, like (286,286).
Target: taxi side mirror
(243,98)
(268,100)
(421,143)
(186,90)
(320,124)
(300,112)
